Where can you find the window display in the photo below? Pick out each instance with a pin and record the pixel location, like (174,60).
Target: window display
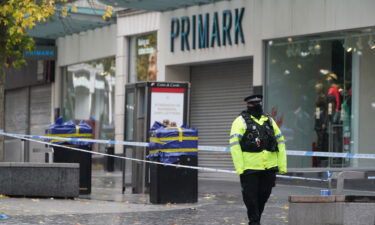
(320,90)
(309,88)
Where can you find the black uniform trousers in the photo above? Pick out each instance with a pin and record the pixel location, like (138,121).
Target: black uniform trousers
(256,189)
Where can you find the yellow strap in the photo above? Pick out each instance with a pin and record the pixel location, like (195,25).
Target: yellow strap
(180,134)
(174,150)
(77,130)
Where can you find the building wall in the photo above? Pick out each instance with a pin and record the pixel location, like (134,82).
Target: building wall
(265,19)
(167,58)
(87,46)
(268,19)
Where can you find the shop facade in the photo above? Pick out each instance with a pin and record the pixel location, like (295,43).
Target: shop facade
(85,80)
(324,79)
(310,59)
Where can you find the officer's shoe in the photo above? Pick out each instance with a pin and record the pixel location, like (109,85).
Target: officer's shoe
(254,223)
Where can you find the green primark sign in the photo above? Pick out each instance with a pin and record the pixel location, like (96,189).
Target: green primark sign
(207,31)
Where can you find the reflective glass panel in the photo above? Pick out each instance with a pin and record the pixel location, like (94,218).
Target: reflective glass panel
(88,94)
(309,92)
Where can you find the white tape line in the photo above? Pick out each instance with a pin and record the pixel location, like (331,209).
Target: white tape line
(371,178)
(153,162)
(129,143)
(213,148)
(202,148)
(127,158)
(301,178)
(331,154)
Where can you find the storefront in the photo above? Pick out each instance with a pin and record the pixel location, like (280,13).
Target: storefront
(319,89)
(310,59)
(211,46)
(85,82)
(311,62)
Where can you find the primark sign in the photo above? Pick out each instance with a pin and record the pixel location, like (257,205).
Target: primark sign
(207,30)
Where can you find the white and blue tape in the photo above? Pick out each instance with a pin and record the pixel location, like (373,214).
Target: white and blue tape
(331,154)
(30,138)
(116,156)
(201,148)
(301,178)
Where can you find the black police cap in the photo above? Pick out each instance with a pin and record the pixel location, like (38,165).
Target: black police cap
(253,98)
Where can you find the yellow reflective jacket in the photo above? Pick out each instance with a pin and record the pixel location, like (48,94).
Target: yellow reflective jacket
(256,160)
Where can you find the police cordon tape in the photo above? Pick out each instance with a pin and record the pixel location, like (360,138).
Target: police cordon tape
(147,161)
(200,147)
(116,156)
(29,138)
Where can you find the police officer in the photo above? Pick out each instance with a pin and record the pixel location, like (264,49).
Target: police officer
(258,152)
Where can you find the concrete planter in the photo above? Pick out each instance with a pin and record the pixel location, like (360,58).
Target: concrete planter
(39,179)
(332,210)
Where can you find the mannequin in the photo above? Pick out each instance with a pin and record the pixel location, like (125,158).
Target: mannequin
(334,102)
(334,119)
(321,120)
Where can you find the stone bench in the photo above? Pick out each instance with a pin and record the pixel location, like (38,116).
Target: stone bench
(332,210)
(39,179)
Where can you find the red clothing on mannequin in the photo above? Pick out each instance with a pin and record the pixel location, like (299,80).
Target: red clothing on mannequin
(334,90)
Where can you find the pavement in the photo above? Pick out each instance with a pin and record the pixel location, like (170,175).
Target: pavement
(219,202)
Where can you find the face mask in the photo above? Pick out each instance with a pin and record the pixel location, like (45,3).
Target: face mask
(255,110)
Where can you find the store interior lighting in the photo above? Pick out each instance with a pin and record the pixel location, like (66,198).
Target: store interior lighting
(351,43)
(104,73)
(329,75)
(347,46)
(304,54)
(317,46)
(324,71)
(314,47)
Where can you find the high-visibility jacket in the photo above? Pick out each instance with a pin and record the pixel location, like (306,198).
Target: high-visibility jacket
(256,160)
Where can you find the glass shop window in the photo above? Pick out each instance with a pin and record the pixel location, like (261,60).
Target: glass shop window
(320,90)
(89,94)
